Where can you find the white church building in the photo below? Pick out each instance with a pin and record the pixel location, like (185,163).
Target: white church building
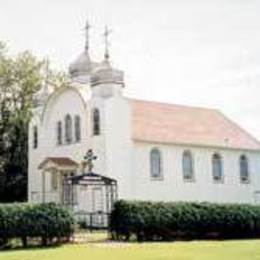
(155,151)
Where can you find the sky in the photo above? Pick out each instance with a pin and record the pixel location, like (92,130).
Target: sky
(192,52)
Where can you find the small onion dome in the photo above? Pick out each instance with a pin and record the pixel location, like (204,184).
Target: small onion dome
(81,66)
(106,74)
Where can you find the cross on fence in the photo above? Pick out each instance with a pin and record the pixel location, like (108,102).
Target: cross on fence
(88,161)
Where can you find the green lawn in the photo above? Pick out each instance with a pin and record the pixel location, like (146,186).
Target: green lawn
(97,249)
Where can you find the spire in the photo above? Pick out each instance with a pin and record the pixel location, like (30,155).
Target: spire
(82,66)
(104,72)
(87,26)
(106,34)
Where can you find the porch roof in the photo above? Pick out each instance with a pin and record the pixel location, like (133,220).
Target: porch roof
(91,178)
(58,162)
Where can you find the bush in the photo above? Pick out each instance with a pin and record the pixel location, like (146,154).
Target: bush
(170,221)
(49,222)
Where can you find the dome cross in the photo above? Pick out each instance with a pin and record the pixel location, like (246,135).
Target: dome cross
(87,27)
(107,32)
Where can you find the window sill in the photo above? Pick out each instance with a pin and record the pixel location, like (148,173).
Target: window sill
(156,178)
(189,180)
(67,144)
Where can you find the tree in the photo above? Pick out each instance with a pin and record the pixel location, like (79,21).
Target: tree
(20,77)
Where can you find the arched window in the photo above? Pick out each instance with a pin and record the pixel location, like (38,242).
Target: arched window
(244,173)
(77,128)
(155,163)
(68,129)
(187,166)
(59,133)
(96,122)
(35,137)
(217,169)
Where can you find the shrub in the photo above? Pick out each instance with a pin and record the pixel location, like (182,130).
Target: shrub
(48,222)
(170,221)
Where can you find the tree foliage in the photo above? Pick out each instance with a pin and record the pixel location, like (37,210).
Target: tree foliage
(20,77)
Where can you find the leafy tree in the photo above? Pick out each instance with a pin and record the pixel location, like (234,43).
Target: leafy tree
(20,77)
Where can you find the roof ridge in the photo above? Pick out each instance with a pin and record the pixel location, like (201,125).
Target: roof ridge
(173,104)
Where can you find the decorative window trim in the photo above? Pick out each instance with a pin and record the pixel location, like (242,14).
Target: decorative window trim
(192,178)
(247,180)
(96,122)
(77,129)
(59,134)
(159,177)
(220,158)
(68,134)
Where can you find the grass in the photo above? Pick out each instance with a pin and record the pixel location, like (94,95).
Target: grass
(98,248)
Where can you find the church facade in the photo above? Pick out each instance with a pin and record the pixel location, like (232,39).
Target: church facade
(155,151)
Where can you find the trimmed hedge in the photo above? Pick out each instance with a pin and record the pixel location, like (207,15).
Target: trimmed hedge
(48,222)
(148,221)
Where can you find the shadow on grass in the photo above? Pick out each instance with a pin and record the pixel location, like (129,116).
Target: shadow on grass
(14,247)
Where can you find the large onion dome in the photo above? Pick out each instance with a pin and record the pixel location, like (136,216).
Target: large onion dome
(81,66)
(106,74)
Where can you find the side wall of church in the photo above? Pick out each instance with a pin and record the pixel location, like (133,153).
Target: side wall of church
(172,187)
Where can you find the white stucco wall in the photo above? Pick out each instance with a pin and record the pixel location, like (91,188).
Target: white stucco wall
(173,188)
(127,161)
(65,101)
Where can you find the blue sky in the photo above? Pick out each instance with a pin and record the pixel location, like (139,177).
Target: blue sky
(202,53)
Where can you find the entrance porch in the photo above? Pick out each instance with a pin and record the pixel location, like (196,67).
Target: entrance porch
(54,170)
(89,195)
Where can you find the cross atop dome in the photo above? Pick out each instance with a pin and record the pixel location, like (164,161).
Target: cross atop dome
(87,27)
(107,32)
(82,66)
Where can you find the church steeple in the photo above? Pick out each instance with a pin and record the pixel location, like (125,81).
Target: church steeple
(105,74)
(82,66)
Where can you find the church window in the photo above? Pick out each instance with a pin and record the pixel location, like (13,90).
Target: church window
(35,137)
(155,163)
(187,165)
(59,133)
(96,122)
(68,129)
(77,128)
(244,173)
(217,168)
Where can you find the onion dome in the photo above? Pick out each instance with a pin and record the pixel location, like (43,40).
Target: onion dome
(106,74)
(81,66)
